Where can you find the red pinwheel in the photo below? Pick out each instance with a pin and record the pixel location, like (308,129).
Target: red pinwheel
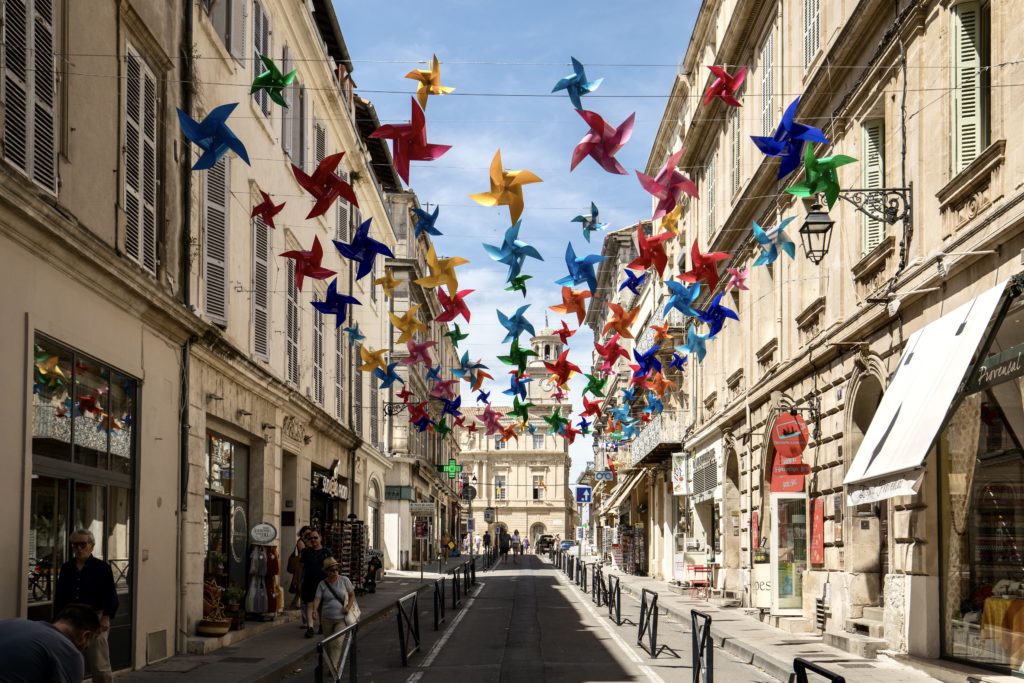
(611,350)
(409,141)
(668,186)
(452,305)
(562,369)
(307,263)
(267,209)
(564,333)
(591,408)
(725,87)
(602,142)
(703,267)
(325,185)
(652,251)
(570,433)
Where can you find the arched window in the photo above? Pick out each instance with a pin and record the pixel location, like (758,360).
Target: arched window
(547,351)
(373,515)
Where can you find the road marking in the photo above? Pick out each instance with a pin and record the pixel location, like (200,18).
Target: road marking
(623,645)
(436,650)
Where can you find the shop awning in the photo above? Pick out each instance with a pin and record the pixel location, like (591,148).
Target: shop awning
(915,405)
(620,492)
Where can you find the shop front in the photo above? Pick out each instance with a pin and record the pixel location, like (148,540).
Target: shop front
(328,495)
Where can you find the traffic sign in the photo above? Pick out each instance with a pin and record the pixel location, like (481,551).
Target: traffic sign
(489,515)
(468,492)
(421,508)
(583,494)
(470,524)
(604,475)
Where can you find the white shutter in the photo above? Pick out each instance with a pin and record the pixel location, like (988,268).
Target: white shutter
(342,232)
(140,187)
(735,151)
(318,357)
(260,46)
(286,116)
(812,30)
(292,332)
(215,242)
(29,131)
(319,144)
(874,177)
(374,412)
(710,197)
(239,18)
(298,127)
(967,94)
(766,63)
(261,288)
(339,372)
(357,408)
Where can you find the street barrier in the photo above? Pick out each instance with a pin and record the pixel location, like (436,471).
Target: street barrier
(472,572)
(408,625)
(583,576)
(467,579)
(648,624)
(438,603)
(324,661)
(615,599)
(702,647)
(801,666)
(456,593)
(598,591)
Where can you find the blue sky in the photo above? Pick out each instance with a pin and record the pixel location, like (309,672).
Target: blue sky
(503,58)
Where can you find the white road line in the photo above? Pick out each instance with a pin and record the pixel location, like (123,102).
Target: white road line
(623,645)
(436,650)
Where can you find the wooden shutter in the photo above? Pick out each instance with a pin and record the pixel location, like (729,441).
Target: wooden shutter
(874,177)
(319,144)
(261,288)
(215,242)
(339,372)
(261,46)
(292,331)
(342,232)
(766,64)
(812,30)
(286,116)
(735,152)
(967,94)
(140,186)
(298,127)
(710,195)
(357,407)
(29,93)
(318,357)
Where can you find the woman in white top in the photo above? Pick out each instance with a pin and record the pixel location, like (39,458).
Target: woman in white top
(517,546)
(336,596)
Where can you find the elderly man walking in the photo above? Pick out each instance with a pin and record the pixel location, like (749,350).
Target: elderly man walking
(88,580)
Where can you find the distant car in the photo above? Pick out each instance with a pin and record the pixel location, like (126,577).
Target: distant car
(544,543)
(568,545)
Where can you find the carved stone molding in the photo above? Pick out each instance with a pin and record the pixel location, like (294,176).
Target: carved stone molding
(872,265)
(973,180)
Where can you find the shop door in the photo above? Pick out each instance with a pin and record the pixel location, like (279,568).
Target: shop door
(788,552)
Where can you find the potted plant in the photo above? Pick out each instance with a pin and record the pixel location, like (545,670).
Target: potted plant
(214,621)
(233,595)
(215,562)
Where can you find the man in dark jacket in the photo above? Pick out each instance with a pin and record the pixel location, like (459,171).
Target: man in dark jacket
(38,652)
(88,580)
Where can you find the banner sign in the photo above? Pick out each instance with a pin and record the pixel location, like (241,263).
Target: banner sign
(679,481)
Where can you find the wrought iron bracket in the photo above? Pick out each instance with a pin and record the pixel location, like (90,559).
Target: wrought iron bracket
(888,204)
(813,411)
(392,408)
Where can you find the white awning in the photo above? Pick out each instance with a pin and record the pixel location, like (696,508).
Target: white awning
(620,492)
(916,402)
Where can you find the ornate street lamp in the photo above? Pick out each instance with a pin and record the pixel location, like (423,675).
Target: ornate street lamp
(887,204)
(816,233)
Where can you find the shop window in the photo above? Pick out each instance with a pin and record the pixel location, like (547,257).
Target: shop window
(227,510)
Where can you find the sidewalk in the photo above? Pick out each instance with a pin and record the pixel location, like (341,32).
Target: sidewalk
(767,647)
(280,650)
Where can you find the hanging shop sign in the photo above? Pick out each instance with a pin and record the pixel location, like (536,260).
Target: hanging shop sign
(998,368)
(329,482)
(421,528)
(398,493)
(422,508)
(263,534)
(705,475)
(818,531)
(679,480)
(789,436)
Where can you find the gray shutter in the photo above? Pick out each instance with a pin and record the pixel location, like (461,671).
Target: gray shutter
(298,127)
(16,95)
(319,144)
(735,152)
(812,30)
(140,182)
(318,357)
(339,372)
(342,232)
(44,162)
(239,18)
(874,177)
(357,408)
(292,332)
(967,95)
(261,288)
(374,412)
(766,64)
(710,196)
(215,242)
(260,46)
(286,116)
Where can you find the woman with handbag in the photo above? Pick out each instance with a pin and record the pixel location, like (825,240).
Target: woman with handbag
(335,602)
(295,569)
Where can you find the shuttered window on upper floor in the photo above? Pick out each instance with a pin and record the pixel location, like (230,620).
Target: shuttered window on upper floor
(710,195)
(971,81)
(318,357)
(230,19)
(357,398)
(766,63)
(216,196)
(343,232)
(140,161)
(812,30)
(736,150)
(874,177)
(260,46)
(292,327)
(28,90)
(374,412)
(339,373)
(261,260)
(297,127)
(289,98)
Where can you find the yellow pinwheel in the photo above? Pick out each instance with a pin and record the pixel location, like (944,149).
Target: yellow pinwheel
(442,271)
(506,188)
(388,282)
(670,221)
(429,82)
(372,359)
(408,323)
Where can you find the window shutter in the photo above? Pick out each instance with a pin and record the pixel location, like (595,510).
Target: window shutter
(261,288)
(44,163)
(298,127)
(342,232)
(735,152)
(374,412)
(261,46)
(766,64)
(874,177)
(215,242)
(967,54)
(140,191)
(318,357)
(286,116)
(339,372)
(239,18)
(319,144)
(357,408)
(292,331)
(812,30)
(710,195)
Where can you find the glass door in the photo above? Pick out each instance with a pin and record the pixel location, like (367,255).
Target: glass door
(789,552)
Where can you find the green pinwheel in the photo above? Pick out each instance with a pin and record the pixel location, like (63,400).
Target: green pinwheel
(518,284)
(520,410)
(441,428)
(517,357)
(555,421)
(595,385)
(820,176)
(456,335)
(273,81)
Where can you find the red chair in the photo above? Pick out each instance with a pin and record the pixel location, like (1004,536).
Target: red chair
(700,580)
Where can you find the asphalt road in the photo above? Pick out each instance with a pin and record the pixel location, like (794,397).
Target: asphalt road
(527,623)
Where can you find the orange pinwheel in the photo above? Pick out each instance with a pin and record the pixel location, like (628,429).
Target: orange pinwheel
(506,188)
(621,320)
(573,301)
(660,332)
(659,384)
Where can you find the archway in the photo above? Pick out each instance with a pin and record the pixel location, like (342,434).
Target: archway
(536,531)
(869,534)
(373,515)
(731,522)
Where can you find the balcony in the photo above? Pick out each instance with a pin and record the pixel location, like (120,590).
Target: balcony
(676,326)
(661,437)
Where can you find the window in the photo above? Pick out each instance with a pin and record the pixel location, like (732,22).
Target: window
(319,145)
(710,196)
(260,46)
(29,131)
(293,121)
(547,351)
(215,242)
(538,487)
(812,30)
(500,492)
(227,509)
(229,18)
(971,81)
(766,64)
(140,162)
(735,134)
(341,231)
(874,177)
(318,357)
(499,443)
(357,401)
(292,337)
(374,412)
(261,288)
(538,442)
(289,98)
(339,372)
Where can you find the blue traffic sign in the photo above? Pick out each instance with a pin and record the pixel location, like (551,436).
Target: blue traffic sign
(583,494)
(604,475)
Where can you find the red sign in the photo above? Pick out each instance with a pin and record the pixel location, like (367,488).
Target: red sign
(420,529)
(818,531)
(789,436)
(755,529)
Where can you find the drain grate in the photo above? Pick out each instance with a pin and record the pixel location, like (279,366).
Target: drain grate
(243,660)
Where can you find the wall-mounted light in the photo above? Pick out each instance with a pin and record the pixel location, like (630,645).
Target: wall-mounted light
(267,425)
(214,397)
(943,266)
(306,438)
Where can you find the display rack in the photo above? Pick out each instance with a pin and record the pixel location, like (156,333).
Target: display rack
(350,543)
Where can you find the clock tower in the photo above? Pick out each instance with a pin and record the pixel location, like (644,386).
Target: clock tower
(548,346)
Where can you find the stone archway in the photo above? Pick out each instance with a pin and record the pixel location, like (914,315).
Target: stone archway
(731,522)
(536,531)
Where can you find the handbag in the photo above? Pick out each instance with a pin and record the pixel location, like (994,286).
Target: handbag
(294,563)
(353,614)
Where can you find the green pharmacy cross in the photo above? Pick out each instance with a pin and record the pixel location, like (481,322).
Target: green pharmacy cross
(452,469)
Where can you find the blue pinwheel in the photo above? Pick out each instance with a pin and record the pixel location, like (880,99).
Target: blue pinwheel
(483,396)
(363,249)
(434,374)
(628,395)
(517,386)
(584,426)
(648,361)
(677,362)
(467,369)
(715,314)
(590,223)
(423,423)
(633,282)
(426,222)
(354,335)
(387,379)
(630,431)
(515,324)
(581,269)
(513,252)
(771,241)
(788,141)
(212,136)
(576,84)
(695,344)
(337,305)
(620,414)
(681,298)
(654,404)
(452,407)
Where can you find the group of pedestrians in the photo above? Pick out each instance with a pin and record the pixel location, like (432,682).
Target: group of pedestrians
(514,543)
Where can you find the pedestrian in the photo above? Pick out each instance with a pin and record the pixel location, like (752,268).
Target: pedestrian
(487,541)
(504,544)
(40,652)
(477,540)
(526,546)
(313,557)
(295,569)
(335,602)
(88,580)
(517,547)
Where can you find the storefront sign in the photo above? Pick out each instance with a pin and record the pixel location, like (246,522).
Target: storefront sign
(420,530)
(329,482)
(421,508)
(998,368)
(679,480)
(263,534)
(489,515)
(398,493)
(789,436)
(818,531)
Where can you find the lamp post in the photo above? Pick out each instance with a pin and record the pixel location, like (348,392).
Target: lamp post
(470,532)
(887,204)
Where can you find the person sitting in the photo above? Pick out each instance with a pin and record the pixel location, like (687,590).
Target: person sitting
(38,652)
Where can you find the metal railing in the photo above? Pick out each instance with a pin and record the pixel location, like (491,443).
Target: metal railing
(801,666)
(324,660)
(648,624)
(702,647)
(438,603)
(408,625)
(598,591)
(456,589)
(614,599)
